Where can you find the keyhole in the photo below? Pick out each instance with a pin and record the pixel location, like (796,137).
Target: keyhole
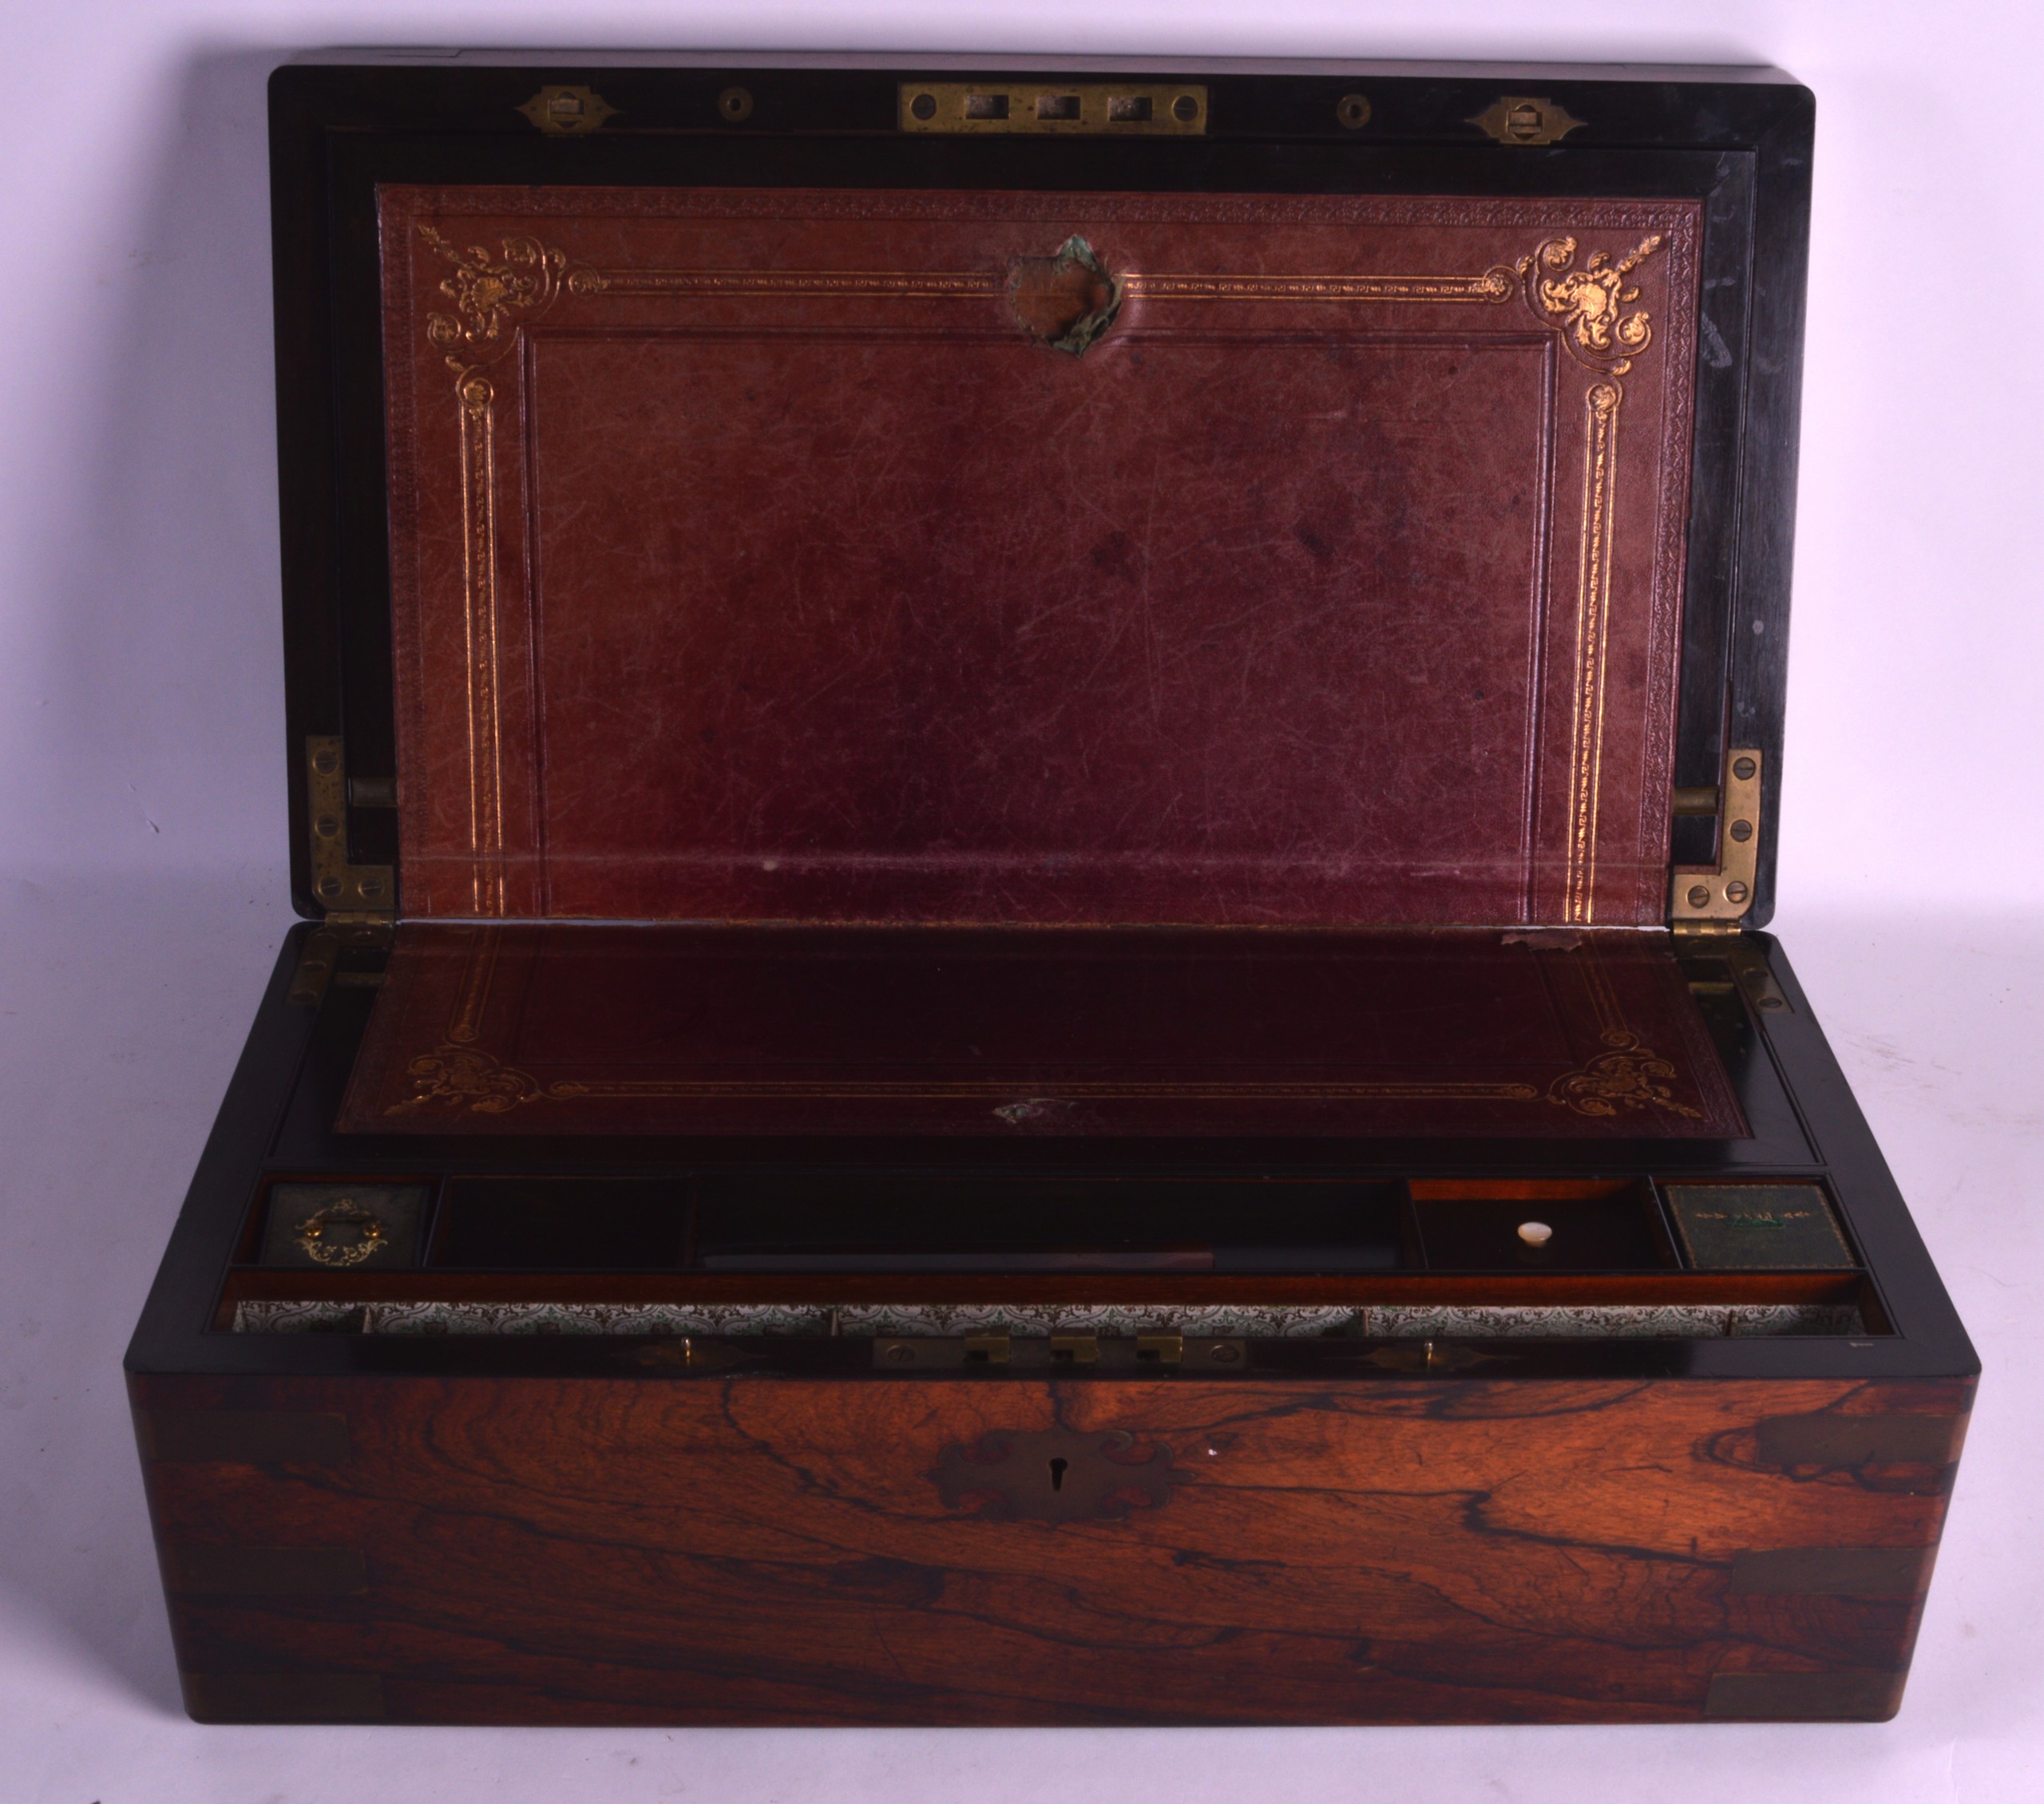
(1057,1474)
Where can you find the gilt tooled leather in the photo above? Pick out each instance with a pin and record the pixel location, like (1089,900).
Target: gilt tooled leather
(510,1028)
(754,561)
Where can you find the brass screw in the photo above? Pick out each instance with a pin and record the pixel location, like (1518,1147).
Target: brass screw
(1742,831)
(1743,768)
(1185,110)
(1736,892)
(1353,111)
(1226,1355)
(901,1354)
(923,106)
(1699,896)
(735,104)
(325,763)
(329,887)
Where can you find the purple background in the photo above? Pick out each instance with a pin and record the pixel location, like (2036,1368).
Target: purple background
(142,841)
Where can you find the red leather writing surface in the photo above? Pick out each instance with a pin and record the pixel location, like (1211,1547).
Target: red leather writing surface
(754,559)
(567,1029)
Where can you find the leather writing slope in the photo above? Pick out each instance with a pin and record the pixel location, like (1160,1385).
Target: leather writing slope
(624,1030)
(1010,557)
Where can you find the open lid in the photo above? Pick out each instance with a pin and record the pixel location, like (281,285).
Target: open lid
(1293,521)
(996,557)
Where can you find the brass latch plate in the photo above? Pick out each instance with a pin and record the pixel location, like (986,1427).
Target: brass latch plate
(1110,108)
(1526,119)
(563,112)
(1703,900)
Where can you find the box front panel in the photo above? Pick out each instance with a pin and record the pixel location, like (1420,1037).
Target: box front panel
(1038,558)
(726,1549)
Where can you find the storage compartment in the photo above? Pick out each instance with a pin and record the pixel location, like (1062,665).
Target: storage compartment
(563,1224)
(1540,1224)
(924,1258)
(972,1224)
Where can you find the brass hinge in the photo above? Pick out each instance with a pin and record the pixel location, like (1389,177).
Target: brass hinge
(361,899)
(319,957)
(1111,109)
(1704,899)
(352,889)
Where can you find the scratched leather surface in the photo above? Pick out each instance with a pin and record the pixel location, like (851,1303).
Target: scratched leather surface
(573,1029)
(851,600)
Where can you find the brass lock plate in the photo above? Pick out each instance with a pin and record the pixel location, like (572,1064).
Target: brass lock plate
(1105,108)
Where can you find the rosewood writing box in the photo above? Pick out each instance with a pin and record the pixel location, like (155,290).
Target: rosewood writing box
(1034,808)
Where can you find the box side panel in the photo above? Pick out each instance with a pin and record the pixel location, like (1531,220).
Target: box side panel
(728,1550)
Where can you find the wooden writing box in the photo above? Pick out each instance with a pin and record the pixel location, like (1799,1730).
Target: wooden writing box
(1034,809)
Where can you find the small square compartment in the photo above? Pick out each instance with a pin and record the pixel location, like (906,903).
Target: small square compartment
(1490,1224)
(1783,1227)
(373,1226)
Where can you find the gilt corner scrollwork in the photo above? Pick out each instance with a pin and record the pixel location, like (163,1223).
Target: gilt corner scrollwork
(1630,1076)
(460,1078)
(1588,306)
(491,296)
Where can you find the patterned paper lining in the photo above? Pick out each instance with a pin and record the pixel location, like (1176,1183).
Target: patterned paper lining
(1379,1322)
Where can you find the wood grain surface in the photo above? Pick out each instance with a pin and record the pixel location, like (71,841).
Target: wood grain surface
(742,1550)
